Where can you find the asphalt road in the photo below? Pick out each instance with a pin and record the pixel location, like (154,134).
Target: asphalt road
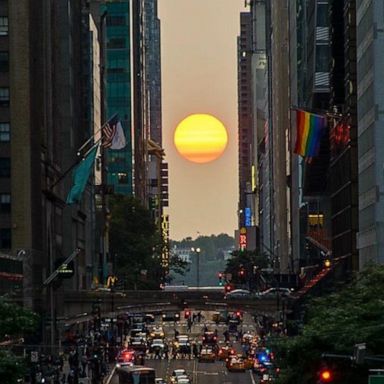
(200,373)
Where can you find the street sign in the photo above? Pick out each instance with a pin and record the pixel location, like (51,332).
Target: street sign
(376,379)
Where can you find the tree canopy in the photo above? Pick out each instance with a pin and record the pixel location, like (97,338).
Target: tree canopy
(135,243)
(15,322)
(334,324)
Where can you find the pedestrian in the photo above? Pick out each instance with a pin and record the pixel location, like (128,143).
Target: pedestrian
(226,335)
(198,317)
(84,362)
(166,351)
(63,379)
(193,317)
(194,350)
(189,324)
(176,333)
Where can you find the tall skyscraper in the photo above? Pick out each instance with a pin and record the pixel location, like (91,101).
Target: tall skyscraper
(117,77)
(245,129)
(49,107)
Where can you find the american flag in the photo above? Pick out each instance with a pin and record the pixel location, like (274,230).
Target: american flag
(113,135)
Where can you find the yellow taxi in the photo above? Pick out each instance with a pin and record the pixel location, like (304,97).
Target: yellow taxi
(235,364)
(225,351)
(207,355)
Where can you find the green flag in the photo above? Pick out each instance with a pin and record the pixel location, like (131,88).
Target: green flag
(81,176)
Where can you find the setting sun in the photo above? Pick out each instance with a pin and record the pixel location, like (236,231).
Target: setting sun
(201,138)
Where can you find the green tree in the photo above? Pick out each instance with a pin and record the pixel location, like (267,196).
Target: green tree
(334,324)
(15,322)
(135,243)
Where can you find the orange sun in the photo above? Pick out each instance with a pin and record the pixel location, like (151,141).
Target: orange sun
(201,138)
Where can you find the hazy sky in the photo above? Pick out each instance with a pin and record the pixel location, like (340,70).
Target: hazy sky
(199,75)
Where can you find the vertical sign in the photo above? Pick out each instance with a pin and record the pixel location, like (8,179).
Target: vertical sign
(165,238)
(243,239)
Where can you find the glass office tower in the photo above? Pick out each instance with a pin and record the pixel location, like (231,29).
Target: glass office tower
(118,90)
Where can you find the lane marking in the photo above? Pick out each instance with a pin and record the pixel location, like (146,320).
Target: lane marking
(252,378)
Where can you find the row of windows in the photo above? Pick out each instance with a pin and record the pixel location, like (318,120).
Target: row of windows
(5,133)
(4,96)
(3,25)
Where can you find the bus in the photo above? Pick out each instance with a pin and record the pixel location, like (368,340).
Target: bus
(136,374)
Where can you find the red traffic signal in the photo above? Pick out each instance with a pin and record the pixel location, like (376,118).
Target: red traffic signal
(326,376)
(220,275)
(228,288)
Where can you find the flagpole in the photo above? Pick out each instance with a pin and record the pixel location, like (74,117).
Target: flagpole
(319,112)
(78,160)
(90,139)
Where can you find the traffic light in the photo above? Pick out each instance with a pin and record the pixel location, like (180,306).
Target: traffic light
(242,273)
(326,376)
(221,279)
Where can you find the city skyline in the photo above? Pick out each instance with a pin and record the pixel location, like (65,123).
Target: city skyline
(199,191)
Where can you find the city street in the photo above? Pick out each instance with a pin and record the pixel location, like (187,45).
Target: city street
(200,372)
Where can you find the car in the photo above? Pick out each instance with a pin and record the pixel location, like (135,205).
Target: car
(273,292)
(238,294)
(176,373)
(225,352)
(219,317)
(209,338)
(183,346)
(125,357)
(160,380)
(183,380)
(170,316)
(157,332)
(207,355)
(156,345)
(138,343)
(235,364)
(149,317)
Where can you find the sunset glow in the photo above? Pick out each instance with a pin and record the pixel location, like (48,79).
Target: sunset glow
(201,138)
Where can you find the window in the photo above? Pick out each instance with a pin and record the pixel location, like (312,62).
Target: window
(116,43)
(123,178)
(322,15)
(116,20)
(5,133)
(5,202)
(4,61)
(3,25)
(5,167)
(5,238)
(322,58)
(4,97)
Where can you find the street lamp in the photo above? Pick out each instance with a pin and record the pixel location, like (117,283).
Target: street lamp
(197,252)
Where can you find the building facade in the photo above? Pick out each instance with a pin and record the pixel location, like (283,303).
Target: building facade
(370,134)
(118,92)
(246,212)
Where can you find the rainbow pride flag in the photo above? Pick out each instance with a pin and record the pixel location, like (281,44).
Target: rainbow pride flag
(310,128)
